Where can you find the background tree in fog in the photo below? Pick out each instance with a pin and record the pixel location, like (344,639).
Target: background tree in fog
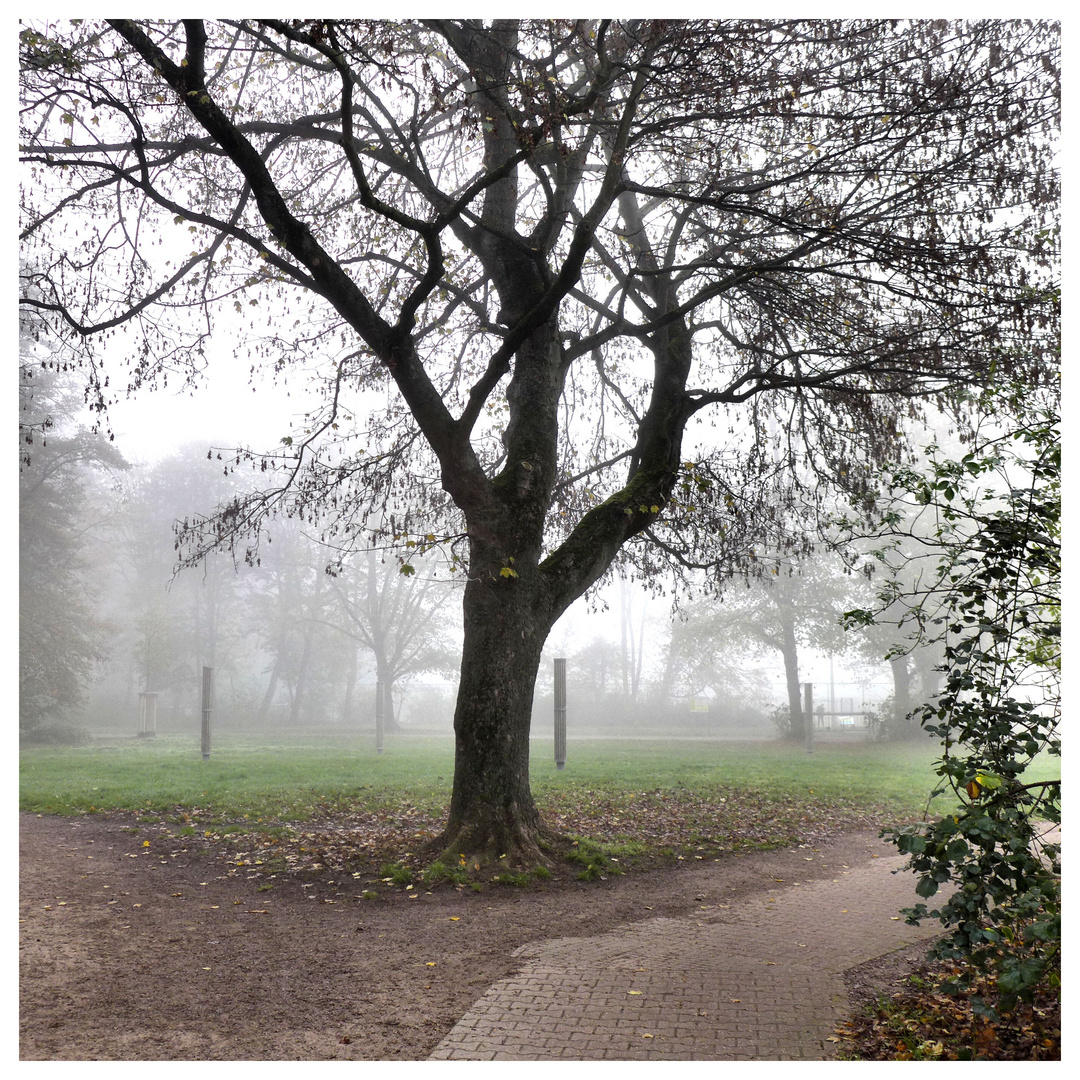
(638,287)
(405,621)
(66,502)
(311,668)
(169,626)
(632,616)
(913,667)
(707,656)
(790,606)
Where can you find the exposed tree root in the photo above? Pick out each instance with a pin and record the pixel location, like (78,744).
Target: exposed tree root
(491,839)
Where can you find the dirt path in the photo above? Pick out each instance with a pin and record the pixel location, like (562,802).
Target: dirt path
(136,950)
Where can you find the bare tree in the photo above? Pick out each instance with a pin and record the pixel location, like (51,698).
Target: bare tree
(292,608)
(795,606)
(400,619)
(167,629)
(635,285)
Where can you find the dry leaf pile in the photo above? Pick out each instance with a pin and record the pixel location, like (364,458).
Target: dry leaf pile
(923,1023)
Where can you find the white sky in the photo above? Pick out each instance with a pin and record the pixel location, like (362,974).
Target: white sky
(222,410)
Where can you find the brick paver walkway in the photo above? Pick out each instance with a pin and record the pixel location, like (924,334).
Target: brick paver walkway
(760,980)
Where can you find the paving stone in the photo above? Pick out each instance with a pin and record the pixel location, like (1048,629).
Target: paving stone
(759,981)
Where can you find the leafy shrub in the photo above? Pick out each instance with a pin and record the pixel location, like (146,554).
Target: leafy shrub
(994,603)
(55,735)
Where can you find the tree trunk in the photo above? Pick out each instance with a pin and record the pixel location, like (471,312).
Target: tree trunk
(492,812)
(790,652)
(384,674)
(301,680)
(901,673)
(268,697)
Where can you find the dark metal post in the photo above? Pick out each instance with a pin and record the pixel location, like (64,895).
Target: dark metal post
(808,715)
(380,715)
(207,709)
(560,713)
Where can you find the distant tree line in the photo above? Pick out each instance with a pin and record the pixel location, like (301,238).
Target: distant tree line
(299,638)
(302,636)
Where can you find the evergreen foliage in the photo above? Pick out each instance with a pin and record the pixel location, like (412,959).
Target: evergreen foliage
(993,601)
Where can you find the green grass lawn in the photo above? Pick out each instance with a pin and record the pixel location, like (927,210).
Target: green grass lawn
(658,796)
(873,772)
(277,777)
(293,778)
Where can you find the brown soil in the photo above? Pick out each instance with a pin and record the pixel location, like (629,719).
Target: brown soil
(139,945)
(884,976)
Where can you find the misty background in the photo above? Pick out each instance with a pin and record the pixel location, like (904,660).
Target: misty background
(106,618)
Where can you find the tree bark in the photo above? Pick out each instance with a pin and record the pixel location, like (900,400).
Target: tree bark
(901,673)
(790,651)
(492,811)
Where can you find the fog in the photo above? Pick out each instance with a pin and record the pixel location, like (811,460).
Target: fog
(295,648)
